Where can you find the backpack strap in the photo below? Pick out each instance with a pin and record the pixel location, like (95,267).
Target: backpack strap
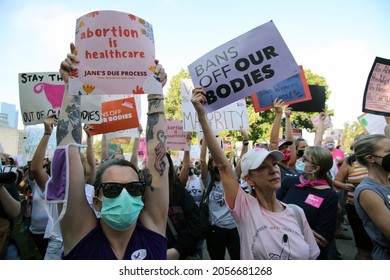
(298,216)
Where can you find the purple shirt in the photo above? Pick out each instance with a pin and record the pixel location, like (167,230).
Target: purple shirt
(144,244)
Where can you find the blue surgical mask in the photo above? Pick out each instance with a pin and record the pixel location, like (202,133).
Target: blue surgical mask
(300,166)
(121,212)
(329,145)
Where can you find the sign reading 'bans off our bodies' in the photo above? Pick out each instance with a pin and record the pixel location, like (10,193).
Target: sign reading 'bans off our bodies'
(116,53)
(253,61)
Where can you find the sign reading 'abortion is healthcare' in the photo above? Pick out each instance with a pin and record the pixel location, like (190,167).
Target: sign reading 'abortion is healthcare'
(116,55)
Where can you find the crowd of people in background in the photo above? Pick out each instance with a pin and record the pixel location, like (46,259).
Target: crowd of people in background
(285,201)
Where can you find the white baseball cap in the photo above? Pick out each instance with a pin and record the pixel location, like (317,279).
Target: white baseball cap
(254,158)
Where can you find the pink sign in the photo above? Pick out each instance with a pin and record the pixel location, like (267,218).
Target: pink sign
(116,53)
(314,200)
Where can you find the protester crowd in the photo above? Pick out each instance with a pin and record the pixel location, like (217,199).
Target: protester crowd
(287,201)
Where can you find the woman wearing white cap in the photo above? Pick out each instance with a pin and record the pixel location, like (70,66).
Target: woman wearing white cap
(269,229)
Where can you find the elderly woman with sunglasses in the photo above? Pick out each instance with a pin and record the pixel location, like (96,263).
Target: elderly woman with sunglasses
(312,192)
(372,195)
(269,229)
(133,211)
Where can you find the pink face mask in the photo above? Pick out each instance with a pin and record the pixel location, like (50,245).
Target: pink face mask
(287,155)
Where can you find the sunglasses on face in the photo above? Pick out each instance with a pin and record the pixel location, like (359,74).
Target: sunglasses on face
(304,159)
(112,190)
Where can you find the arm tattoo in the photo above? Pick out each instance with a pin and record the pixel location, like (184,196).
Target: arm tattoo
(147,177)
(154,103)
(62,130)
(152,121)
(159,163)
(74,116)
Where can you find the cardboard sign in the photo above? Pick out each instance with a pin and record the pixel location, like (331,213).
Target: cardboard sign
(117,115)
(373,124)
(376,99)
(176,136)
(316,119)
(231,117)
(316,104)
(293,90)
(41,94)
(116,53)
(253,61)
(33,135)
(142,153)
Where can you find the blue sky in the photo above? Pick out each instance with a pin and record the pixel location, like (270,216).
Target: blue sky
(338,40)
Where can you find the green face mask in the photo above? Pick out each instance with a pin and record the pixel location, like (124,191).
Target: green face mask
(121,212)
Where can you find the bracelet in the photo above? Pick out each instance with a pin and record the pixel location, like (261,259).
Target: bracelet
(47,133)
(156,112)
(245,142)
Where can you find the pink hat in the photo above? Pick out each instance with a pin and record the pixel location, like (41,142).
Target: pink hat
(284,141)
(254,158)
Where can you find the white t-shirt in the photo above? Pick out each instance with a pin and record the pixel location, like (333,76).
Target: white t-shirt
(195,188)
(39,216)
(266,235)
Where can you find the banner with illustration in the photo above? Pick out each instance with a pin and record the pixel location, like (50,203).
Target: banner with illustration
(373,124)
(32,136)
(376,99)
(40,94)
(117,55)
(231,117)
(117,115)
(292,90)
(176,136)
(253,61)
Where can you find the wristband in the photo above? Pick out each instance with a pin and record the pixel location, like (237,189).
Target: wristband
(245,142)
(47,133)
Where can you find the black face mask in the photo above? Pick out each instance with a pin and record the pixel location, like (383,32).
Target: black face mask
(300,153)
(385,162)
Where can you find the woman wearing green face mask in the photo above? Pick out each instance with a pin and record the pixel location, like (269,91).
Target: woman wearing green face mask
(134,211)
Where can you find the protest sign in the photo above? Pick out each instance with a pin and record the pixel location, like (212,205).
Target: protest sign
(142,153)
(253,61)
(41,93)
(231,117)
(116,53)
(316,104)
(117,115)
(227,144)
(373,124)
(327,122)
(33,135)
(292,90)
(336,134)
(176,136)
(376,99)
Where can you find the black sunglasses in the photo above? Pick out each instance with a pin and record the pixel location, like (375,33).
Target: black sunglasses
(112,190)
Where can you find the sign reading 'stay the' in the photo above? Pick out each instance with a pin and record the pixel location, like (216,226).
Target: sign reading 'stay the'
(41,93)
(116,53)
(253,61)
